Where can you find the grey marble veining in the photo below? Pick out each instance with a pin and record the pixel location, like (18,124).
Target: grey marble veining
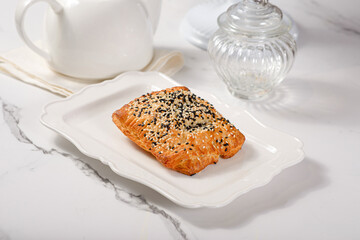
(317,103)
(333,18)
(11,114)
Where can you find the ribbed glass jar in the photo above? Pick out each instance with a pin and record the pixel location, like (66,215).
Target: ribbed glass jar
(252,51)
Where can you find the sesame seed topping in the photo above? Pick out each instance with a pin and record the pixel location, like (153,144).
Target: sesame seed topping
(182,112)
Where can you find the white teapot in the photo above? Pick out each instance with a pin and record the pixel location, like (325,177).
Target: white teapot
(93,39)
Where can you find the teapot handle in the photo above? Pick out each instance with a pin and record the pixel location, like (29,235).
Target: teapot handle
(21,9)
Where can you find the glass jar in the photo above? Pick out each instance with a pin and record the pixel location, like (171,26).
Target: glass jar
(252,50)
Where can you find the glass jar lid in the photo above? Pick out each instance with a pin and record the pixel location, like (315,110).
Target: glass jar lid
(253,18)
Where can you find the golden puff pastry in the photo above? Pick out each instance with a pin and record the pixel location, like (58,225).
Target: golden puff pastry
(183,131)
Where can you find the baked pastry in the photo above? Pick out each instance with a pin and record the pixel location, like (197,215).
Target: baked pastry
(183,131)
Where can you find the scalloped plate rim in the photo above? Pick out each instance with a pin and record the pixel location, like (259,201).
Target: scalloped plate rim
(196,202)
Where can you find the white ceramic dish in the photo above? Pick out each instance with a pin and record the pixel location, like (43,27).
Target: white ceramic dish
(92,41)
(200,22)
(85,120)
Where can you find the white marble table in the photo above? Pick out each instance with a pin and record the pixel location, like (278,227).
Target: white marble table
(49,190)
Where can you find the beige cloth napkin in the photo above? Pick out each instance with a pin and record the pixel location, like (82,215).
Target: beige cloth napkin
(25,65)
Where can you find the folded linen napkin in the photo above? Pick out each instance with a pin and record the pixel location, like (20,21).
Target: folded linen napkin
(25,65)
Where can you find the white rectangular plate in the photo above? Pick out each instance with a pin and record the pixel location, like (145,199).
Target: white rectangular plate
(85,120)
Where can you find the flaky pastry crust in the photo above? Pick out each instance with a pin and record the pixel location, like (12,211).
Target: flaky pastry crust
(183,131)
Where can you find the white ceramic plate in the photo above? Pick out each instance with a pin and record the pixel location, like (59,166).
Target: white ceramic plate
(200,22)
(85,120)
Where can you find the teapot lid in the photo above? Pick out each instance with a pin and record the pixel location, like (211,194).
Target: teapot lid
(253,18)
